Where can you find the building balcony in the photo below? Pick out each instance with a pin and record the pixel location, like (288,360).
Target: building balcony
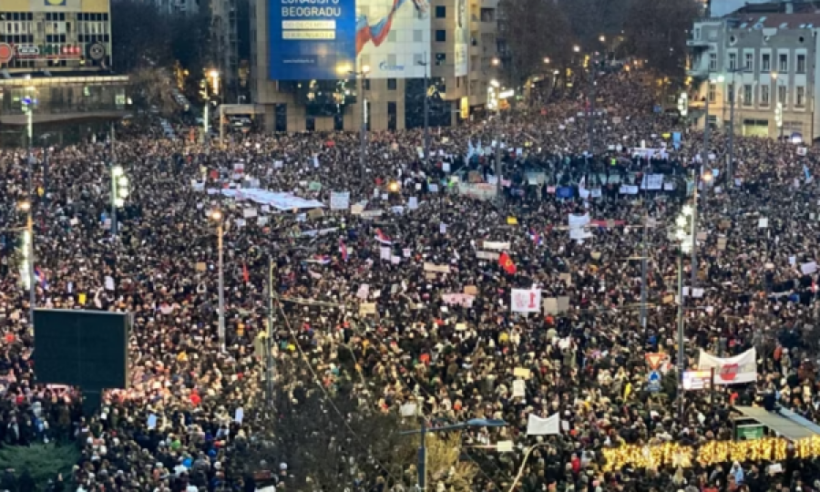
(697,44)
(698,72)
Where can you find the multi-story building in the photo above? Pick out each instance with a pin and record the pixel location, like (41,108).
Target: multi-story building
(177,7)
(766,56)
(57,55)
(333,66)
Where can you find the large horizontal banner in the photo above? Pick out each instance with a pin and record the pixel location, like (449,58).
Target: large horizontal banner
(731,370)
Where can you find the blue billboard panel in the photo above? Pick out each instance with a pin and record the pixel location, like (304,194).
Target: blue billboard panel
(311,39)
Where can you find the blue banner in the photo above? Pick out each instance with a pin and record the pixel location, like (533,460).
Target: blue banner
(565,192)
(311,39)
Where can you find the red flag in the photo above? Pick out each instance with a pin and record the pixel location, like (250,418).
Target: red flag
(245,275)
(506,263)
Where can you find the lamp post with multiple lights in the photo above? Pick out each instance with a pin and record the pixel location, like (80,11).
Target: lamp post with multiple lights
(216,216)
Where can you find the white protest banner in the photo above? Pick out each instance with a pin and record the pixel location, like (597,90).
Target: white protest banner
(525,300)
(628,190)
(739,369)
(479,191)
(458,299)
(487,255)
(808,268)
(537,426)
(339,200)
(576,221)
(595,193)
(363,292)
(432,267)
(519,388)
(385,253)
(763,223)
(413,203)
(367,308)
(372,214)
(652,182)
(496,245)
(249,213)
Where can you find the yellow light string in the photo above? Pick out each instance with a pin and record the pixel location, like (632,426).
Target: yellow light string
(710,453)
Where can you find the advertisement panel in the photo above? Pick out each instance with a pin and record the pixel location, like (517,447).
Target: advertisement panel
(311,39)
(323,39)
(462,39)
(393,37)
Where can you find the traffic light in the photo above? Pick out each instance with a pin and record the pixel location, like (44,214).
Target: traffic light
(778,115)
(683,104)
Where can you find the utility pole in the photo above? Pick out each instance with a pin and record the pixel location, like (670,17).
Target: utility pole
(591,122)
(426,65)
(269,360)
(705,162)
(729,184)
(113,159)
(681,350)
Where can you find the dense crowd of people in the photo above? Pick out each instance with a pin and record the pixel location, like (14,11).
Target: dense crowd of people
(190,416)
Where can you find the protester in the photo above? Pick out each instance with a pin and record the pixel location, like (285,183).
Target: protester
(176,427)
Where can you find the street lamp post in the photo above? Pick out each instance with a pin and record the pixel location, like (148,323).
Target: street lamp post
(426,65)
(422,465)
(361,75)
(686,241)
(216,216)
(28,254)
(119,192)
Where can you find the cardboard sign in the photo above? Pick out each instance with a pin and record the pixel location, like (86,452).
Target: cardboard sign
(432,267)
(366,308)
(201,266)
(471,290)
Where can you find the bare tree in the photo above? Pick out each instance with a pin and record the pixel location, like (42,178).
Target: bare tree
(151,87)
(656,30)
(534,30)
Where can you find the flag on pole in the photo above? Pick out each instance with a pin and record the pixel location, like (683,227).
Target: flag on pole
(40,277)
(383,238)
(246,276)
(506,263)
(342,249)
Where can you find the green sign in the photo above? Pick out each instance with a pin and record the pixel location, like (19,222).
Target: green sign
(750,432)
(314,186)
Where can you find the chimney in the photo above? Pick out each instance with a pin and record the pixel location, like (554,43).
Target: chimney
(789,7)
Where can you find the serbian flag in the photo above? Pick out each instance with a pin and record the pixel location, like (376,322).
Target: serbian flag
(342,249)
(383,238)
(506,263)
(246,276)
(320,259)
(536,238)
(40,277)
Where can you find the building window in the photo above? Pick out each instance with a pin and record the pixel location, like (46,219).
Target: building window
(764,95)
(783,62)
(391,84)
(441,36)
(800,96)
(310,123)
(441,12)
(730,92)
(441,59)
(748,62)
(781,94)
(368,115)
(801,63)
(391,116)
(765,62)
(732,61)
(281,118)
(712,92)
(366,84)
(712,62)
(747,95)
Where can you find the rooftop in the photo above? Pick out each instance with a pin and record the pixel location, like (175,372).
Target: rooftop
(803,20)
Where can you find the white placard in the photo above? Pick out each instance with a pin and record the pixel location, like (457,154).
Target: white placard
(339,200)
(519,388)
(525,300)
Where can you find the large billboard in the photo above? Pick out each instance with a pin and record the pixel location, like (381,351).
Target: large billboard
(311,39)
(323,39)
(461,39)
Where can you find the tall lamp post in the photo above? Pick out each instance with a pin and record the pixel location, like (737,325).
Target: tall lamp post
(119,192)
(27,272)
(216,216)
(706,178)
(361,76)
(685,223)
(778,107)
(422,466)
(426,65)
